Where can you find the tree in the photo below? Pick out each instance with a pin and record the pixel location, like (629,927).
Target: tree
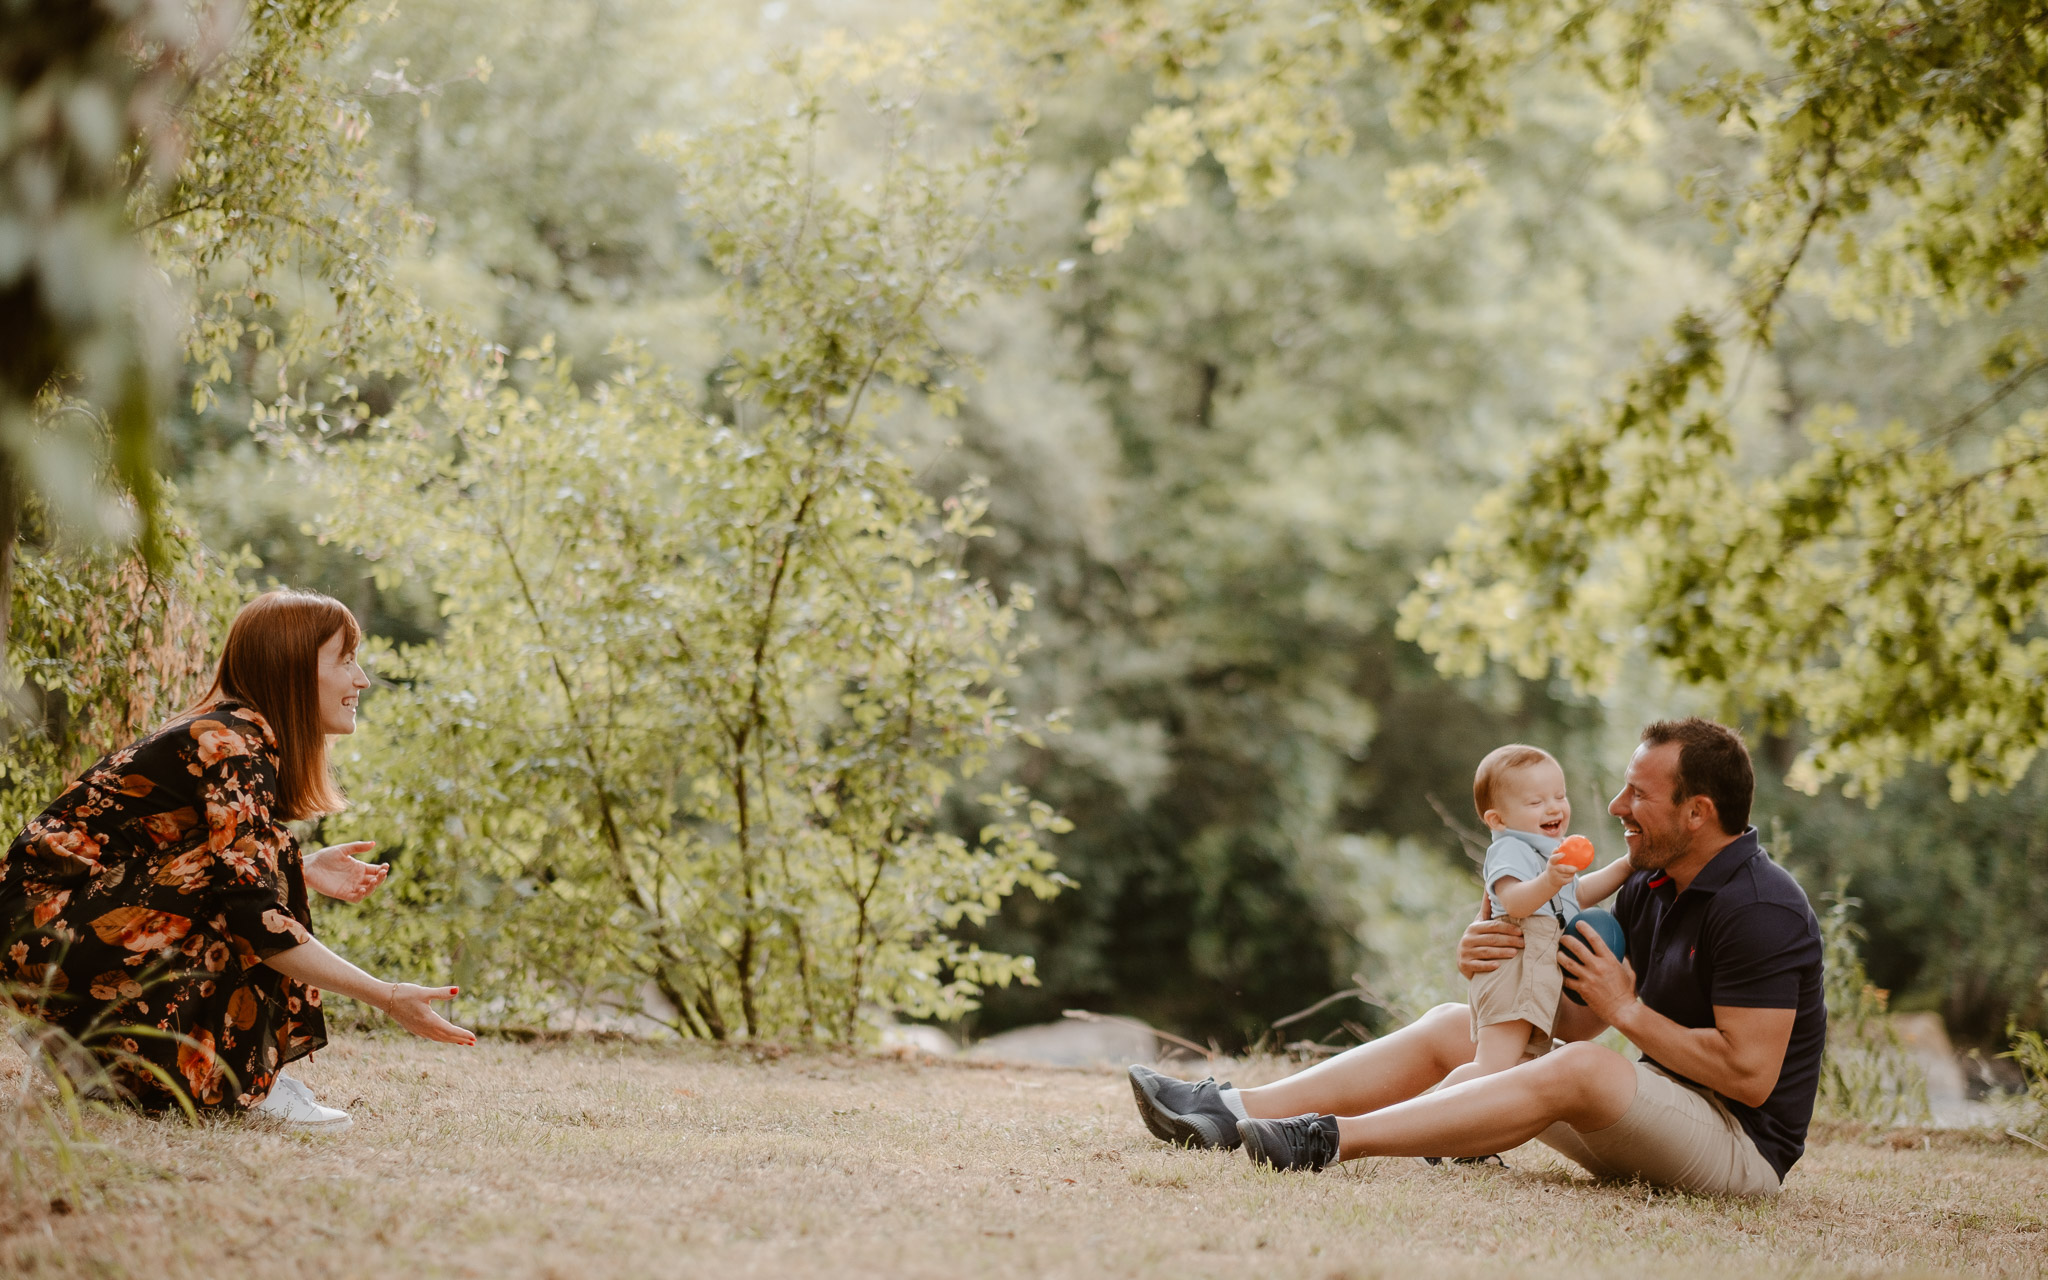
(1882,583)
(744,632)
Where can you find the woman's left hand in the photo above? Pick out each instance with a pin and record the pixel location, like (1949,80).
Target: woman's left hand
(336,872)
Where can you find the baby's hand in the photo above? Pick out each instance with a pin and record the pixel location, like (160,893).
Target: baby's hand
(1574,855)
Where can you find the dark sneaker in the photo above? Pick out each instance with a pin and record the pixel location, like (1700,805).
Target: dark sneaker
(1188,1112)
(1305,1142)
(1495,1161)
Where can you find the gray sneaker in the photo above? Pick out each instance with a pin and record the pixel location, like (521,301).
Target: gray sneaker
(1304,1142)
(1187,1112)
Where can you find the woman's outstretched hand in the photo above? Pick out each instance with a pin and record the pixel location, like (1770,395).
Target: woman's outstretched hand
(411,1007)
(335,871)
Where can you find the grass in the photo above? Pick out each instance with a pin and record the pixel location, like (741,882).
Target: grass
(617,1159)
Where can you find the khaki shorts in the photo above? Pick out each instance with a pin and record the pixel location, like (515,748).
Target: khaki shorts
(1525,988)
(1674,1135)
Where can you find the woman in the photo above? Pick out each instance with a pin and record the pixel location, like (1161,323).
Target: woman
(156,911)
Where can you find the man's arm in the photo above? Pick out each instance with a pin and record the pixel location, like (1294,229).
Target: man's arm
(1575,1022)
(1739,1057)
(1595,886)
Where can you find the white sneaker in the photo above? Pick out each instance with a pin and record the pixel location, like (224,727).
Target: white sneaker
(292,1103)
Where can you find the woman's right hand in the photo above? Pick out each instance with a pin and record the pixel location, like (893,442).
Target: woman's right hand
(1487,942)
(411,1007)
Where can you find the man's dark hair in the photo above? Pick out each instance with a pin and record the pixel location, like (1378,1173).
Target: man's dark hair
(1712,762)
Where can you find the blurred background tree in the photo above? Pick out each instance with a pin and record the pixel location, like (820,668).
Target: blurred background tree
(88,94)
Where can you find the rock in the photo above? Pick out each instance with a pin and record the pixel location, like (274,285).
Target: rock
(1072,1043)
(924,1039)
(1926,1042)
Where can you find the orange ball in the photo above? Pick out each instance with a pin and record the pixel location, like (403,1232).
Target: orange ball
(1577,852)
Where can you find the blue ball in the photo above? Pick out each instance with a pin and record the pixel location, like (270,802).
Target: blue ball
(1602,922)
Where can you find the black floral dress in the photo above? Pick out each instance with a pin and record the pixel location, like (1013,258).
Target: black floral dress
(137,910)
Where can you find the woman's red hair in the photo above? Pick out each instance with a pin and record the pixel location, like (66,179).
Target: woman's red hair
(271,662)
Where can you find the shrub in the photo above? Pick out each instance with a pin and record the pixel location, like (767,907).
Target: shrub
(708,675)
(1866,1073)
(101,649)
(2030,1052)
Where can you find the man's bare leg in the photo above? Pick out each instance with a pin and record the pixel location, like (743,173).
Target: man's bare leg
(1586,1086)
(1391,1069)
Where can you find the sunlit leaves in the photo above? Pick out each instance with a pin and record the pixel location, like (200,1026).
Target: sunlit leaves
(1885,587)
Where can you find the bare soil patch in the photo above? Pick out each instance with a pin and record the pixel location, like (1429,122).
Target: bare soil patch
(620,1159)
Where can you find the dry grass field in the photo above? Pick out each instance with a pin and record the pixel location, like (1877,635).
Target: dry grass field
(611,1159)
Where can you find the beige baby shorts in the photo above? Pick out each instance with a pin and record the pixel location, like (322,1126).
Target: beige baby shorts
(1525,988)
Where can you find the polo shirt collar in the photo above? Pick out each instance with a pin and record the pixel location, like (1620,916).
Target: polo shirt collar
(1725,864)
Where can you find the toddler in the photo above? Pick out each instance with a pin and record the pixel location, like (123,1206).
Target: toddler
(1520,794)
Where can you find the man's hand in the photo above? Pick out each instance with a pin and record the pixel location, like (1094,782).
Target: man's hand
(1606,985)
(336,872)
(1739,1057)
(1487,942)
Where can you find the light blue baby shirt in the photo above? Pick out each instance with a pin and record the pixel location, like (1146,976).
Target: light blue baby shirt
(1525,855)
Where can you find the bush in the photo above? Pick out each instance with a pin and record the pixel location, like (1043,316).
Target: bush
(101,649)
(2030,1052)
(708,674)
(1866,1074)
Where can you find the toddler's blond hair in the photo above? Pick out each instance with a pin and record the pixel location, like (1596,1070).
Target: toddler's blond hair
(1498,764)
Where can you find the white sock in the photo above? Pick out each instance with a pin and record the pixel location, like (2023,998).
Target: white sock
(1235,1103)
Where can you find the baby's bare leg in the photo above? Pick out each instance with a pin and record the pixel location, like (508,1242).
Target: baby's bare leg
(1501,1045)
(1385,1071)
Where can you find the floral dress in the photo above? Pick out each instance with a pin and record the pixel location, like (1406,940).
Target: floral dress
(137,910)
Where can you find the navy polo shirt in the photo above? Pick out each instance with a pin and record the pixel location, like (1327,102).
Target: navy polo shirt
(1743,935)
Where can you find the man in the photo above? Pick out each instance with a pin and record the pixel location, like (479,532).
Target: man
(1726,1010)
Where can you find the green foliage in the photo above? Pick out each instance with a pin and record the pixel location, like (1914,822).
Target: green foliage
(1258,425)
(1882,582)
(1416,908)
(546,215)
(103,648)
(1884,586)
(1865,1073)
(2030,1051)
(281,228)
(744,636)
(1219,455)
(87,93)
(203,143)
(1952,893)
